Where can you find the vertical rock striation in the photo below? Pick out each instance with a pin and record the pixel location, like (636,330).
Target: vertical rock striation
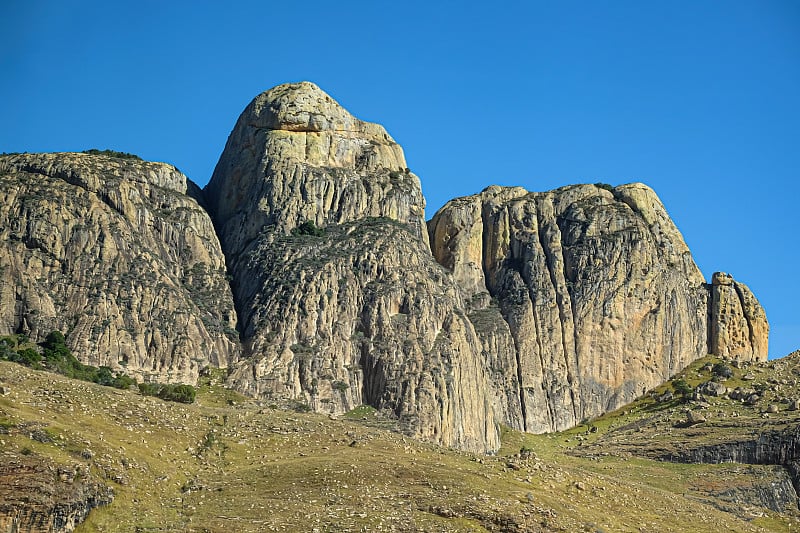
(340,301)
(116,255)
(739,328)
(600,294)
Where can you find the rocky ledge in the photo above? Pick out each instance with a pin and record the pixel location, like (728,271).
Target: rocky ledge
(38,496)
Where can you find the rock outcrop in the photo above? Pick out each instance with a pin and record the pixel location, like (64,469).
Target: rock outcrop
(600,294)
(599,291)
(554,307)
(339,298)
(772,447)
(116,255)
(739,328)
(38,496)
(533,310)
(294,156)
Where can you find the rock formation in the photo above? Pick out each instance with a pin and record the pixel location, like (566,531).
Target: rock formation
(739,327)
(598,289)
(554,307)
(340,300)
(533,310)
(39,496)
(113,253)
(295,155)
(600,294)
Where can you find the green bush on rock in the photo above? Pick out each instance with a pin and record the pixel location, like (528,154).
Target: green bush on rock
(57,357)
(169,392)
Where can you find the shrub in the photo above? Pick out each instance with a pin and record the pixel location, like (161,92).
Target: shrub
(6,353)
(103,376)
(172,393)
(112,153)
(28,357)
(60,359)
(309,228)
(149,389)
(55,346)
(123,381)
(7,343)
(681,387)
(178,393)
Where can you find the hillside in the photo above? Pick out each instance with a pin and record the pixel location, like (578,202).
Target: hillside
(229,462)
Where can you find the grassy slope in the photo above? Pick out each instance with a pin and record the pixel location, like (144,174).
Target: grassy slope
(226,464)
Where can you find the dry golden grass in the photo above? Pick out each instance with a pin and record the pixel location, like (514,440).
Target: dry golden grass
(226,463)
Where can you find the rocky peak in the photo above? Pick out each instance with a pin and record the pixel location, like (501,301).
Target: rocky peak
(296,155)
(738,324)
(597,293)
(352,310)
(304,107)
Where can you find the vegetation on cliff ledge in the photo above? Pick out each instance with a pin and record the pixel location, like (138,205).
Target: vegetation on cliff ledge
(112,153)
(56,356)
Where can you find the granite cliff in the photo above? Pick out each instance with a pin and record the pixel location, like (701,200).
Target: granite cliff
(114,253)
(544,308)
(534,310)
(599,294)
(340,301)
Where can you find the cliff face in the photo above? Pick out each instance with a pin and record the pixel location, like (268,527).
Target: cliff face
(39,496)
(115,254)
(551,307)
(295,155)
(534,310)
(600,294)
(357,311)
(739,327)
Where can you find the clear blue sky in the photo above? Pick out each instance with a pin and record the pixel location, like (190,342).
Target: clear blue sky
(700,100)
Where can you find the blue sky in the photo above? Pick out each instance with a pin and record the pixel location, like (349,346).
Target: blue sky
(700,100)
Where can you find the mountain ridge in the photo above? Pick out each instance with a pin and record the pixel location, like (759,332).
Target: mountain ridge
(531,310)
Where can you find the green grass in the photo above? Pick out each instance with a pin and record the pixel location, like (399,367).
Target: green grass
(226,463)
